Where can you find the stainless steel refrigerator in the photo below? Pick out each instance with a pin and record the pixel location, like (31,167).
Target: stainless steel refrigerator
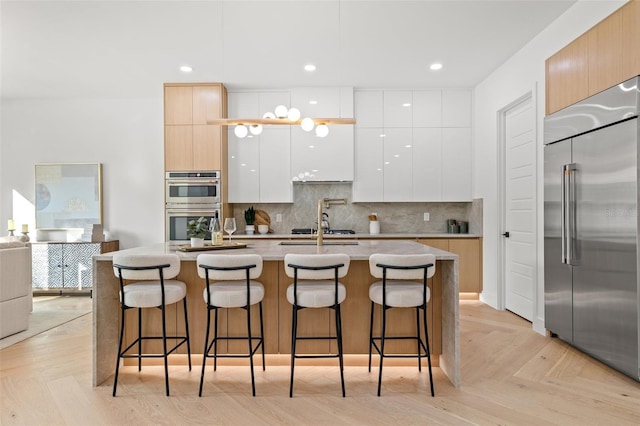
(591,257)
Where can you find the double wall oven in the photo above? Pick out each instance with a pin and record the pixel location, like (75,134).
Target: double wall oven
(190,195)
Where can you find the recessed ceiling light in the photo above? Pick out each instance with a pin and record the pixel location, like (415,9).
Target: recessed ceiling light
(406,105)
(436,66)
(186,68)
(309,67)
(313,102)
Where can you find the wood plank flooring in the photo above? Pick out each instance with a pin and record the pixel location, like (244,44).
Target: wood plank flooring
(510,376)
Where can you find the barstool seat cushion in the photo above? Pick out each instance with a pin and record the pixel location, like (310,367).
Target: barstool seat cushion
(233,294)
(400,294)
(317,293)
(148,294)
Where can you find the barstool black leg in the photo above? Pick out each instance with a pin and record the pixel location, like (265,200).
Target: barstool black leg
(384,328)
(294,328)
(215,341)
(262,337)
(186,328)
(426,337)
(205,351)
(164,347)
(115,380)
(370,336)
(139,339)
(418,341)
(339,337)
(253,382)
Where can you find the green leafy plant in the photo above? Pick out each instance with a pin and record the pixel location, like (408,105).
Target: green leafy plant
(197,228)
(250,215)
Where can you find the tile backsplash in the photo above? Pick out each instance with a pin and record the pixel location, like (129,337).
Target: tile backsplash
(393,217)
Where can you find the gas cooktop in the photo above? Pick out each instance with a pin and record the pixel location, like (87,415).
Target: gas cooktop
(330,232)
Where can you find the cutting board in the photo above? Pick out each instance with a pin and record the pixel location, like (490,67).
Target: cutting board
(262,218)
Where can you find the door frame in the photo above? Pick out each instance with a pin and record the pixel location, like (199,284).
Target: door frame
(529,95)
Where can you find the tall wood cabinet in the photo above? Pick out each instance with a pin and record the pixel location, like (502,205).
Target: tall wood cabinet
(191,143)
(607,54)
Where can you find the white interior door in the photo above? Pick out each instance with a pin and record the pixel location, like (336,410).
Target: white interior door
(520,209)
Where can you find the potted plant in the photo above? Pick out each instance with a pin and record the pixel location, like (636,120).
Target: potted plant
(197,231)
(249,217)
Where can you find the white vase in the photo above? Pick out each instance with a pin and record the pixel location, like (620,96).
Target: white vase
(249,229)
(197,242)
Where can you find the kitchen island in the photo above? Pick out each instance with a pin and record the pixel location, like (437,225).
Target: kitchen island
(442,310)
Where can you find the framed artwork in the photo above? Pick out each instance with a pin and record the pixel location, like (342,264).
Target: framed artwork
(68,195)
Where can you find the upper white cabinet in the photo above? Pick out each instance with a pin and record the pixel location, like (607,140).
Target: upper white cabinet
(329,158)
(259,166)
(456,108)
(425,151)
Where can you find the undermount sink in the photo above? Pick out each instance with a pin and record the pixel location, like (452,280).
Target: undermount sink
(313,243)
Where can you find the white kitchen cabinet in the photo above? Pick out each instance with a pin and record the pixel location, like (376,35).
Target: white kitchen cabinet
(397,109)
(322,159)
(456,164)
(275,165)
(398,165)
(329,158)
(427,108)
(368,106)
(259,166)
(456,108)
(427,164)
(369,176)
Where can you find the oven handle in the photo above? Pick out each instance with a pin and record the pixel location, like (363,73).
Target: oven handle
(192,182)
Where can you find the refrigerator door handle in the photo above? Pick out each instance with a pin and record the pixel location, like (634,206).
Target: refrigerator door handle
(568,212)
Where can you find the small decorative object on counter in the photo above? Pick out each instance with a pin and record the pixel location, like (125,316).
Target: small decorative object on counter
(452,226)
(216,232)
(464,227)
(25,233)
(11,227)
(374,225)
(250,218)
(263,229)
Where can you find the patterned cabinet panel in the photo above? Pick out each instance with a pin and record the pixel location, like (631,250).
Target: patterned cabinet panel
(59,266)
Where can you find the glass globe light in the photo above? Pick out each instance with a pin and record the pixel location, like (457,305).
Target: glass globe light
(293,114)
(322,130)
(281,111)
(269,115)
(307,124)
(240,131)
(255,129)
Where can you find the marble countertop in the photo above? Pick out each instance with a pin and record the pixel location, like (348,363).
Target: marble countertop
(274,250)
(357,236)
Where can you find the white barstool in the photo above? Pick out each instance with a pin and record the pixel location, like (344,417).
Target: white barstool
(234,288)
(154,287)
(316,285)
(403,285)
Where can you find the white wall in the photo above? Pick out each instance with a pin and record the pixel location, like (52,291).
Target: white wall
(520,74)
(125,135)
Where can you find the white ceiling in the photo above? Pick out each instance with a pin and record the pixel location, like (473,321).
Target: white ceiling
(120,49)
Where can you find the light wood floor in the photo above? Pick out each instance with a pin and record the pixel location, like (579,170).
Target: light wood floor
(510,375)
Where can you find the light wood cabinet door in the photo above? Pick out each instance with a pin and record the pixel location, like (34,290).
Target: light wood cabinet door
(178,148)
(469,251)
(178,105)
(206,147)
(470,269)
(207,102)
(630,21)
(605,53)
(567,75)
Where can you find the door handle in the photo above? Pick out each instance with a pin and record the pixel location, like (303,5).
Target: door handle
(505,234)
